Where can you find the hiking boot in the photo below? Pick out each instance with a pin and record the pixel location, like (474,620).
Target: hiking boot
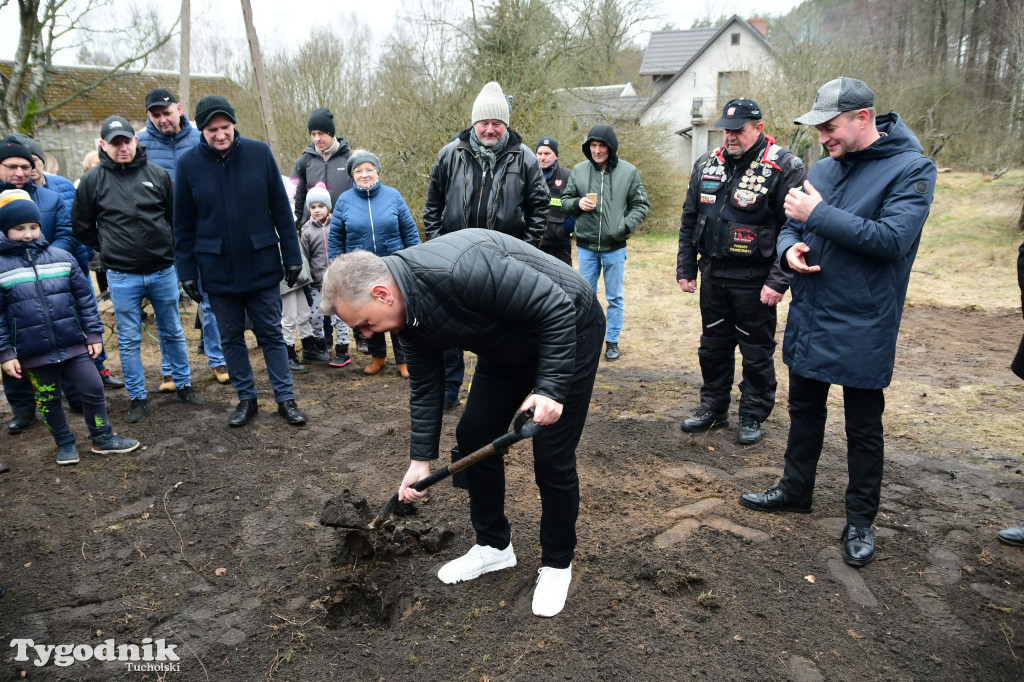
(311,353)
(21,421)
(291,412)
(67,454)
(109,380)
(477,561)
(749,431)
(403,369)
(552,588)
(294,365)
(137,410)
(167,385)
(375,366)
(112,445)
(611,351)
(704,420)
(220,374)
(189,395)
(451,402)
(341,356)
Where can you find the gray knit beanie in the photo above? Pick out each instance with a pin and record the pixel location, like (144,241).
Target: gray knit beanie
(362,156)
(318,194)
(491,105)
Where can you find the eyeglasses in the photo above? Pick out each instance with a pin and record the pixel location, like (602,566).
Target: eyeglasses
(17,167)
(365,171)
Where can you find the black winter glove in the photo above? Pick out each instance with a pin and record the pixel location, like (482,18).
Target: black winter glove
(191,288)
(291,274)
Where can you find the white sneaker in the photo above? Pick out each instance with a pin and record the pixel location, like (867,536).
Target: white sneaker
(552,588)
(477,561)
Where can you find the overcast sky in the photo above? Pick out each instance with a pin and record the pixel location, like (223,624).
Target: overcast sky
(286,22)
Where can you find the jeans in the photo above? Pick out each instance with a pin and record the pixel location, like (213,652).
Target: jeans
(865,448)
(264,309)
(614,265)
(211,335)
(126,293)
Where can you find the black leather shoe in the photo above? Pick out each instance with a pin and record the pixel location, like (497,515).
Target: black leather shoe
(21,421)
(859,545)
(1012,536)
(749,431)
(774,500)
(704,420)
(245,411)
(291,413)
(109,380)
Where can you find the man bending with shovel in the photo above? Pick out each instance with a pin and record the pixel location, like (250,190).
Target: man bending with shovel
(537,331)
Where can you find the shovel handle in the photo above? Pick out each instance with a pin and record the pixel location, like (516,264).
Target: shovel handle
(522,428)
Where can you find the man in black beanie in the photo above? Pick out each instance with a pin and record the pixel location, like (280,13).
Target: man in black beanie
(238,248)
(324,160)
(558,230)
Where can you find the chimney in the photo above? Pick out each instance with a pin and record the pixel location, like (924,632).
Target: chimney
(760,24)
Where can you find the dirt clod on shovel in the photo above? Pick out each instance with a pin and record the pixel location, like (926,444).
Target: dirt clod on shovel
(346,510)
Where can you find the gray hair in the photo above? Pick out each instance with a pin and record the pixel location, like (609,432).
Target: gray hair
(351,277)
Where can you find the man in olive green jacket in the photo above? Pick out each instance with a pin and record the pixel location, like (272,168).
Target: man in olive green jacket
(606,195)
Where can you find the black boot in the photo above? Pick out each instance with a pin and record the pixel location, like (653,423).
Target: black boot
(311,353)
(293,362)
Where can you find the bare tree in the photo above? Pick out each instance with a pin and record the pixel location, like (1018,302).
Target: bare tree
(43,24)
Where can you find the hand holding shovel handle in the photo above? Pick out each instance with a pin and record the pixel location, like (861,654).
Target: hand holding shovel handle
(523,428)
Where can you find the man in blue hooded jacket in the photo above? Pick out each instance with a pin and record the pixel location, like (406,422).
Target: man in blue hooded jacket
(851,239)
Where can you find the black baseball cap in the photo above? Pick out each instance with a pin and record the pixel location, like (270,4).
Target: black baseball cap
(159,98)
(115,126)
(737,112)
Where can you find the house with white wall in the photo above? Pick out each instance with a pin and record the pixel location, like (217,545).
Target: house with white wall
(695,73)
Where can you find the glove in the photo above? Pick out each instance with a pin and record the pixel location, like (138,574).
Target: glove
(291,274)
(191,288)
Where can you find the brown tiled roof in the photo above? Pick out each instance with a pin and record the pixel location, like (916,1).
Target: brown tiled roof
(127,90)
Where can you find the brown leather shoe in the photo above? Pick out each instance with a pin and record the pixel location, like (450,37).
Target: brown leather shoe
(403,369)
(167,385)
(376,365)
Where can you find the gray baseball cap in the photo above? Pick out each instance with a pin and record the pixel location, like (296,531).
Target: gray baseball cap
(835,97)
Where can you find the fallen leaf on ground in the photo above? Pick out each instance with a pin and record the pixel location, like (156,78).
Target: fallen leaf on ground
(221,571)
(809,578)
(853,634)
(738,638)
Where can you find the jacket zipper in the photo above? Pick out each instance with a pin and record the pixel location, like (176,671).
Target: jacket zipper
(42,298)
(600,213)
(373,232)
(480,199)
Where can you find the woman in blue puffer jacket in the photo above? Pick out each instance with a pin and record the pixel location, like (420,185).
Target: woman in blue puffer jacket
(372,217)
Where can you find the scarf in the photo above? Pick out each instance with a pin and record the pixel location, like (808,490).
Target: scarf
(487,156)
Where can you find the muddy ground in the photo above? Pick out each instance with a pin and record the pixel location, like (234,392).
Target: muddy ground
(209,539)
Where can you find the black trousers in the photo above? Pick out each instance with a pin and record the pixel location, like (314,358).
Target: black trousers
(498,391)
(864,444)
(731,316)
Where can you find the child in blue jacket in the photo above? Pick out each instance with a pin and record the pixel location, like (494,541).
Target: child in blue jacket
(49,323)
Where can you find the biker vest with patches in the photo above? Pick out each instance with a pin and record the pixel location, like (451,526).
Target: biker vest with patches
(736,222)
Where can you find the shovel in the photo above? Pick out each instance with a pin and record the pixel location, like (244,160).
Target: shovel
(522,429)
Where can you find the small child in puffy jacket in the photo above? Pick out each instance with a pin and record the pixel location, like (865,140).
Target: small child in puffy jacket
(313,240)
(49,323)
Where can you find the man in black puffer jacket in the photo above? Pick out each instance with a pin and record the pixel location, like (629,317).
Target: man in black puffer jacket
(536,328)
(125,204)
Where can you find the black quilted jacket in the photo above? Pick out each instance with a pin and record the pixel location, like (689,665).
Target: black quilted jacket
(491,294)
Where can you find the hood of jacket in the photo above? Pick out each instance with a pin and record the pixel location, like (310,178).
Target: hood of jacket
(10,248)
(603,133)
(896,138)
(343,148)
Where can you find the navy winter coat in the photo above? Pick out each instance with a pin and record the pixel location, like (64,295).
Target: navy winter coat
(165,151)
(47,310)
(66,189)
(844,320)
(232,219)
(376,220)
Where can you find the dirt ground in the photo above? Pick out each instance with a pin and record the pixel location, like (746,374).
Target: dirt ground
(209,539)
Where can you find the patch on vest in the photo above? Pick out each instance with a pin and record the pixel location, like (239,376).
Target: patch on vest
(921,187)
(745,197)
(708,198)
(741,241)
